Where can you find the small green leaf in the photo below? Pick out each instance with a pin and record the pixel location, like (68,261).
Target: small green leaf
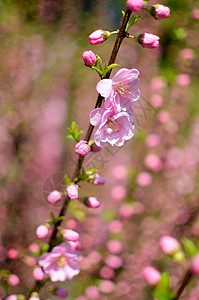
(45,248)
(99,60)
(98,70)
(123,13)
(53,216)
(132,21)
(189,247)
(70,136)
(92,171)
(61,218)
(109,68)
(161,295)
(74,134)
(164,283)
(37,254)
(67,179)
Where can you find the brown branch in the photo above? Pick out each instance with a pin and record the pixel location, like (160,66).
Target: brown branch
(185,281)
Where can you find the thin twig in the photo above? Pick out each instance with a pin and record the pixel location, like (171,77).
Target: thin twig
(185,281)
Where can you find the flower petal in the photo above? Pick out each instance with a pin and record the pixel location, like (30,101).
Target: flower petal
(95,116)
(104,87)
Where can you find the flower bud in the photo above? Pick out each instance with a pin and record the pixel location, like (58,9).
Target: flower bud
(98,180)
(13,280)
(11,297)
(169,245)
(159,11)
(195,265)
(53,197)
(82,148)
(92,202)
(42,231)
(148,40)
(72,191)
(62,293)
(12,253)
(38,274)
(151,275)
(135,5)
(71,235)
(89,58)
(98,36)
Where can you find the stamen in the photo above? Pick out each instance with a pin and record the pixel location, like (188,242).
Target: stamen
(124,90)
(61,261)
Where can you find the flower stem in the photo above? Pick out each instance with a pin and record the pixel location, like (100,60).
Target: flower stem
(121,35)
(185,281)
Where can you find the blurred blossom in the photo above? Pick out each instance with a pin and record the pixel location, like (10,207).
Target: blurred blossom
(118,192)
(187,54)
(107,273)
(152,140)
(195,14)
(157,83)
(92,292)
(163,116)
(120,172)
(144,179)
(115,226)
(153,162)
(106,286)
(126,210)
(156,100)
(183,80)
(114,261)
(114,246)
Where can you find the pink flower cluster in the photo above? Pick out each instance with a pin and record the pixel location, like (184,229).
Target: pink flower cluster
(115,118)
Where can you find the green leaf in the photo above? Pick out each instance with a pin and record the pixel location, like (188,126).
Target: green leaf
(53,216)
(70,136)
(99,60)
(132,21)
(49,221)
(67,179)
(37,254)
(164,283)
(123,13)
(161,295)
(189,247)
(74,134)
(61,218)
(92,171)
(98,70)
(45,248)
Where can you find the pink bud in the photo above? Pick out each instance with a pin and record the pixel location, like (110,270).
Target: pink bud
(183,80)
(98,180)
(72,191)
(71,235)
(75,245)
(152,140)
(34,298)
(89,58)
(98,36)
(153,162)
(42,231)
(107,272)
(195,265)
(114,246)
(159,11)
(151,275)
(106,286)
(114,261)
(34,247)
(62,293)
(38,274)
(148,40)
(13,280)
(95,148)
(135,5)
(156,100)
(53,197)
(195,14)
(92,292)
(169,244)
(12,253)
(92,202)
(82,148)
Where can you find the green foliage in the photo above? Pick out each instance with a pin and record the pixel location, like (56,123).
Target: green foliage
(67,179)
(162,290)
(189,247)
(74,133)
(132,21)
(109,215)
(103,71)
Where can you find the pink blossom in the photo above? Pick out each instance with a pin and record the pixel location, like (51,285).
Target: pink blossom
(120,172)
(42,231)
(38,274)
(106,286)
(34,247)
(98,180)
(62,293)
(169,244)
(12,253)
(195,265)
(183,80)
(72,191)
(115,226)
(54,197)
(126,210)
(156,100)
(75,245)
(71,235)
(89,58)
(135,5)
(151,275)
(107,272)
(163,116)
(92,202)
(144,179)
(118,192)
(82,148)
(114,261)
(148,40)
(11,297)
(121,90)
(61,263)
(13,280)
(114,128)
(160,11)
(114,246)
(98,36)
(92,292)
(152,140)
(195,14)
(153,162)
